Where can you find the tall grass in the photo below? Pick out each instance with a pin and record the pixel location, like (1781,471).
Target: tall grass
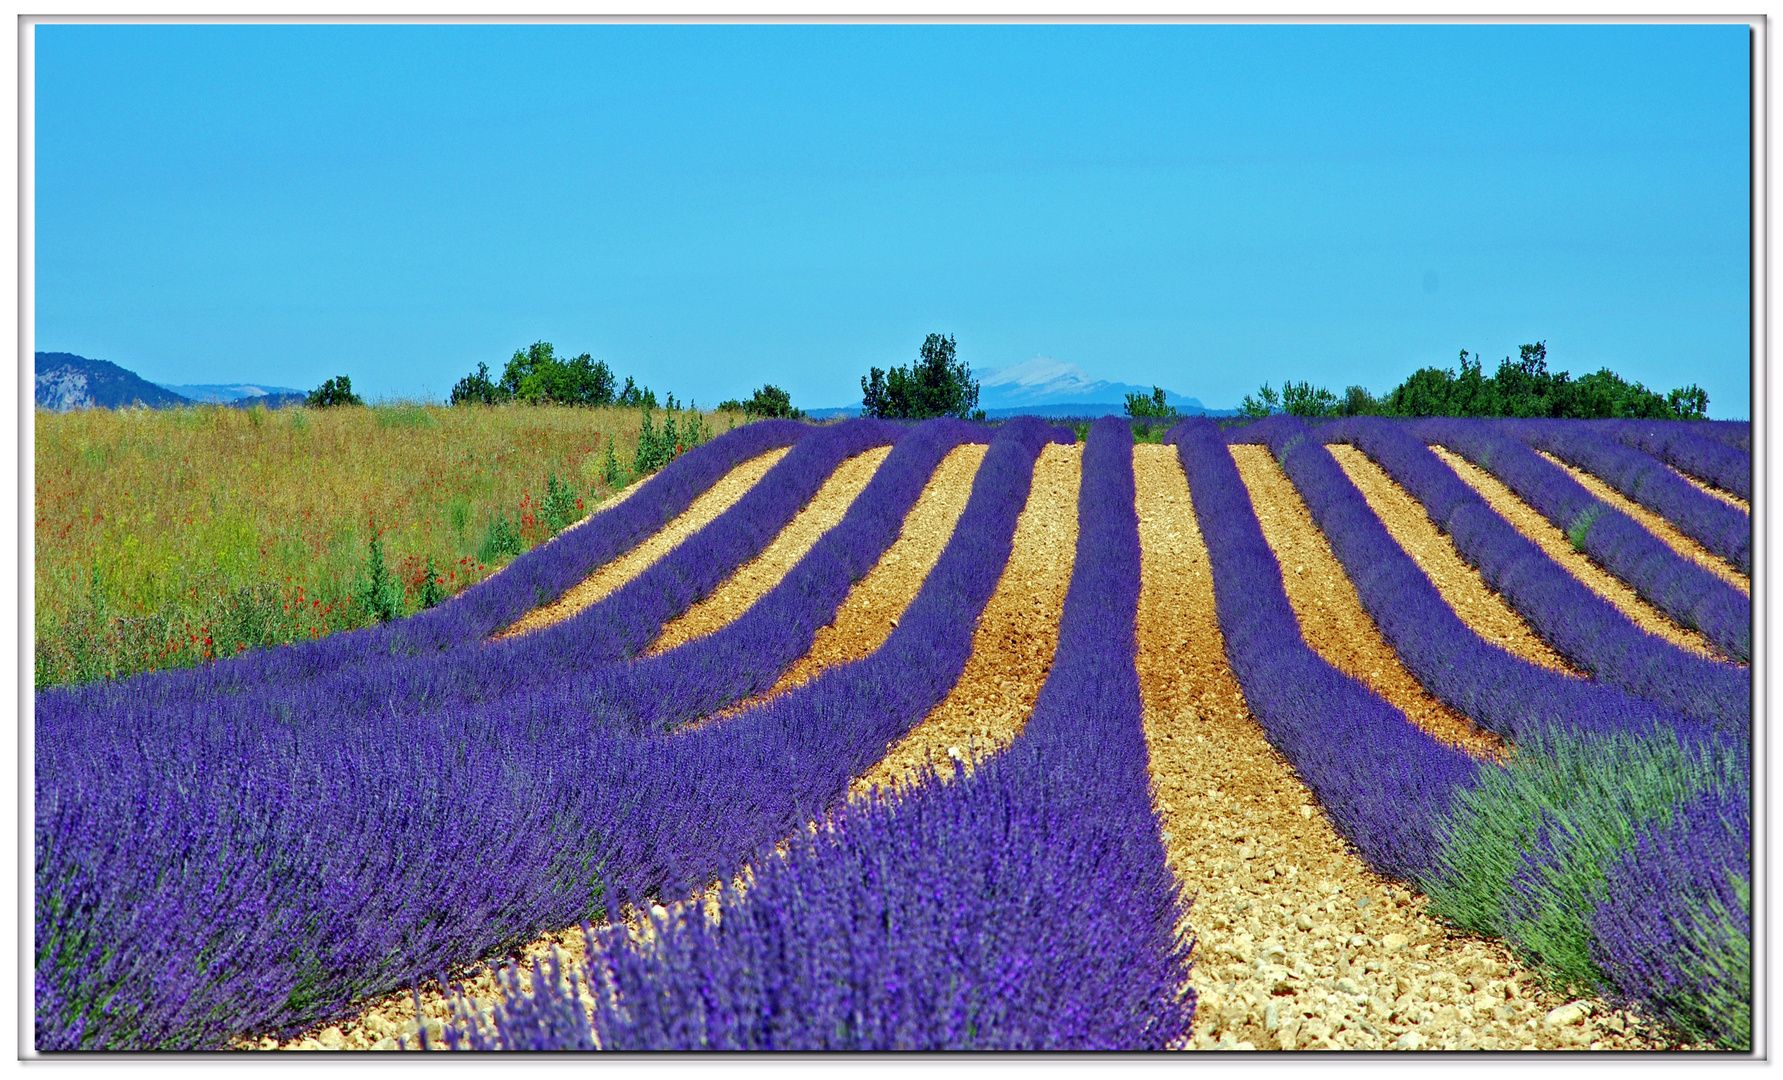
(164,538)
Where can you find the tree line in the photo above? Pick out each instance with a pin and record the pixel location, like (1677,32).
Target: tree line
(1519,388)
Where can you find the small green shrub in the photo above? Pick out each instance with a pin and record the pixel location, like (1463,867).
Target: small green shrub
(378,591)
(561,507)
(503,540)
(1581,525)
(431,593)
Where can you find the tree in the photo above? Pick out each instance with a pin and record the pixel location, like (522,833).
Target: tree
(336,391)
(1141,407)
(938,384)
(477,389)
(536,375)
(1305,399)
(769,401)
(633,398)
(1263,404)
(1688,403)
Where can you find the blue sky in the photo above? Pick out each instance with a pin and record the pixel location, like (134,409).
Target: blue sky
(713,207)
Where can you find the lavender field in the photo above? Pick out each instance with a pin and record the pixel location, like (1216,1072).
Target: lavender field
(1368,734)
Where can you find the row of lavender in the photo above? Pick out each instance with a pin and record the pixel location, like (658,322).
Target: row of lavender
(1606,792)
(1026,905)
(198,880)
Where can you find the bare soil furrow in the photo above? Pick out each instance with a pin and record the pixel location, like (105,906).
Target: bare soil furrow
(1529,521)
(1299,945)
(1332,619)
(715,501)
(1727,497)
(1483,610)
(1013,646)
(1664,530)
(761,574)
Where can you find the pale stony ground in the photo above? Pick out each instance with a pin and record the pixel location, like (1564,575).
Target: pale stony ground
(1727,497)
(1664,530)
(1299,945)
(1554,543)
(715,501)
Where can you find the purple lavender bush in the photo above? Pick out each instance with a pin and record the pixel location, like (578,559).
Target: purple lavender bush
(1497,690)
(1691,595)
(1025,906)
(1673,930)
(1708,459)
(1578,623)
(196,882)
(1725,530)
(1385,784)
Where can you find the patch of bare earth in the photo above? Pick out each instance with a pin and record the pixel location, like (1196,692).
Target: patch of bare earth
(596,586)
(1299,945)
(1013,645)
(1664,530)
(1483,610)
(1332,619)
(1727,497)
(761,574)
(1554,543)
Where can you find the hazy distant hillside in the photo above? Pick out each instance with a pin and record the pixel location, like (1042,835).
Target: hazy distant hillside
(238,394)
(1051,385)
(66,382)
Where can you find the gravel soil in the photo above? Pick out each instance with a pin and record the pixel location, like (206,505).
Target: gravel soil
(1483,610)
(756,578)
(1528,521)
(1658,526)
(1331,615)
(1727,497)
(1299,946)
(716,500)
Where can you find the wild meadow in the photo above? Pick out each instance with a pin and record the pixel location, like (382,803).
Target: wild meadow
(164,538)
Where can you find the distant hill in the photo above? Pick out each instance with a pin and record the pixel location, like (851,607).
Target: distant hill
(242,394)
(1052,388)
(66,382)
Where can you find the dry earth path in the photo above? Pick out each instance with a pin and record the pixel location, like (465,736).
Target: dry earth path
(1529,521)
(1727,497)
(711,503)
(760,575)
(1332,619)
(1663,530)
(1461,585)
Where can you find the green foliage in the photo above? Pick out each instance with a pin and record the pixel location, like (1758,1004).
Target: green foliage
(431,592)
(477,389)
(938,384)
(1526,388)
(1265,403)
(535,375)
(1357,401)
(634,398)
(659,446)
(1139,406)
(561,506)
(1304,399)
(406,415)
(612,472)
(768,401)
(1581,525)
(1582,798)
(378,592)
(336,391)
(502,541)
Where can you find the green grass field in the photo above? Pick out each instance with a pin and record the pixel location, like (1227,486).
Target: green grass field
(163,538)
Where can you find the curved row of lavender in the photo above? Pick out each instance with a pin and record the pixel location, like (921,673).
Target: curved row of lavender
(1708,459)
(1689,594)
(478,674)
(1674,928)
(1497,690)
(1734,433)
(547,570)
(1725,530)
(1385,784)
(1582,626)
(193,889)
(1026,906)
